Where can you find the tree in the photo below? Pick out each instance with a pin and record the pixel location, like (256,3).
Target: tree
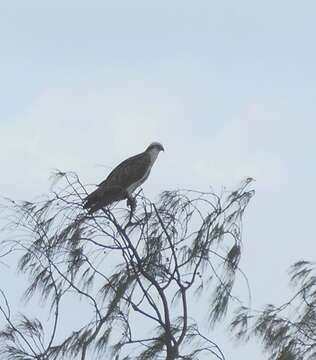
(288,332)
(139,274)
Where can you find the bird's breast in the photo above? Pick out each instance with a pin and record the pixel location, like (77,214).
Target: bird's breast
(138,183)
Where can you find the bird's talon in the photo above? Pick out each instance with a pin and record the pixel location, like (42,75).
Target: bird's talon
(131,202)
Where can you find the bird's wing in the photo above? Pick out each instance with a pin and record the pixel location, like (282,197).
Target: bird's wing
(102,197)
(127,172)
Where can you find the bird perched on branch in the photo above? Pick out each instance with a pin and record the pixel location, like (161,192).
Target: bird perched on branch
(124,180)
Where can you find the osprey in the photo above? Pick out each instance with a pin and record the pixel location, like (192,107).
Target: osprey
(124,180)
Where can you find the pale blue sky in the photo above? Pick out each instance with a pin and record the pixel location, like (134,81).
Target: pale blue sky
(228,87)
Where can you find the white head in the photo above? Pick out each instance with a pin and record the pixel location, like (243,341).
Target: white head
(155,147)
(153,150)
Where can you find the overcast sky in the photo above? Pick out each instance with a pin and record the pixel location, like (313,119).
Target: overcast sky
(228,87)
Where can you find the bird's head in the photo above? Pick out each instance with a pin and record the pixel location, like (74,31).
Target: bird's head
(156,147)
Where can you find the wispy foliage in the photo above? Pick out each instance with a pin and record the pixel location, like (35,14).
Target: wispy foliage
(124,265)
(288,332)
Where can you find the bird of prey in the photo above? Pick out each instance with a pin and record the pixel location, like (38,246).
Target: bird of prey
(124,180)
